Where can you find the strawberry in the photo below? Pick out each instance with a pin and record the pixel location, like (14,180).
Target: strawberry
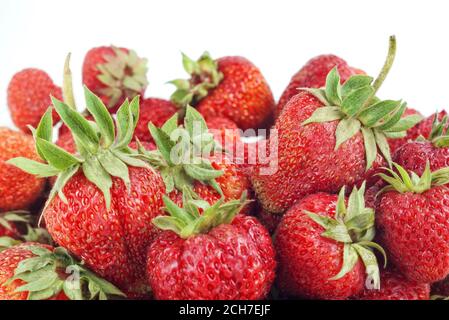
(225,131)
(115,74)
(230,87)
(197,167)
(215,255)
(413,222)
(396,287)
(29,97)
(33,271)
(328,138)
(324,246)
(313,75)
(412,133)
(18,190)
(103,201)
(154,110)
(414,155)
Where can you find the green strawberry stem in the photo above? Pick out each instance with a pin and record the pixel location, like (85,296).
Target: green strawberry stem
(54,271)
(353,225)
(387,65)
(67,87)
(197,216)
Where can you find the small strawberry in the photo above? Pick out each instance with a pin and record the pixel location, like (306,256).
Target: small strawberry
(215,255)
(324,246)
(413,222)
(33,271)
(313,75)
(328,138)
(18,190)
(230,87)
(114,74)
(154,110)
(414,155)
(396,287)
(103,201)
(29,97)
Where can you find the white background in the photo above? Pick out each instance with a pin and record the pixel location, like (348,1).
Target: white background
(278,36)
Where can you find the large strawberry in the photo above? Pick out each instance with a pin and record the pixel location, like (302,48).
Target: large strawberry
(29,97)
(18,190)
(313,75)
(413,222)
(114,74)
(209,252)
(33,271)
(394,286)
(434,149)
(324,246)
(104,198)
(230,87)
(328,138)
(188,160)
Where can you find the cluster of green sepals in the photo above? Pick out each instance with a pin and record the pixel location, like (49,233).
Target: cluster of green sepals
(54,271)
(103,150)
(22,219)
(353,225)
(198,216)
(358,109)
(404,182)
(439,134)
(123,74)
(183,152)
(204,77)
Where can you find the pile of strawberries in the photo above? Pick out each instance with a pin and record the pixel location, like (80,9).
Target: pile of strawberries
(125,197)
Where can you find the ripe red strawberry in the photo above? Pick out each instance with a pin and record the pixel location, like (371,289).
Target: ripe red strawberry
(412,133)
(230,87)
(329,138)
(323,243)
(115,74)
(395,286)
(18,190)
(414,155)
(218,255)
(313,75)
(104,199)
(24,267)
(212,176)
(225,131)
(413,223)
(157,111)
(29,97)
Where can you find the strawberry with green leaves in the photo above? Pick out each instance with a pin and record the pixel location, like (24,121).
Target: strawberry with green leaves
(33,271)
(229,87)
(104,198)
(413,222)
(210,252)
(331,137)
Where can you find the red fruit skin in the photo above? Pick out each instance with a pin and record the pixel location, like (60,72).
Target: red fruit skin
(225,131)
(414,230)
(231,262)
(412,133)
(307,160)
(242,96)
(395,286)
(112,243)
(29,97)
(9,260)
(18,190)
(313,75)
(308,260)
(154,110)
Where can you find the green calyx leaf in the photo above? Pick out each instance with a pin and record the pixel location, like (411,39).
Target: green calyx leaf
(197,216)
(353,225)
(439,135)
(204,77)
(8,242)
(103,154)
(124,74)
(403,181)
(183,152)
(52,271)
(357,109)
